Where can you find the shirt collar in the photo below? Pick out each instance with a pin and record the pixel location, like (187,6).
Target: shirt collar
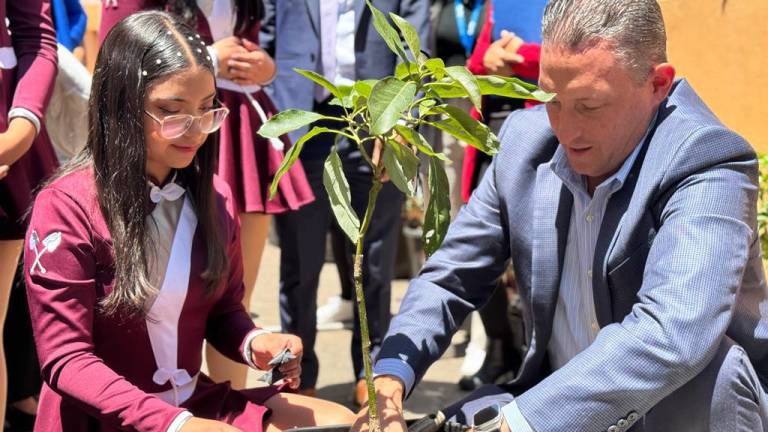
(577,183)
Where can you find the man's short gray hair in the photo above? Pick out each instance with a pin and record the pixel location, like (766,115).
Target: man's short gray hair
(634,27)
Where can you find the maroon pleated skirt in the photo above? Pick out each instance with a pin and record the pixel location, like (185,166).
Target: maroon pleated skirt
(249,162)
(243,409)
(18,187)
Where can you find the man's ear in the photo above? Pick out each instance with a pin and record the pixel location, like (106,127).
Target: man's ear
(662,78)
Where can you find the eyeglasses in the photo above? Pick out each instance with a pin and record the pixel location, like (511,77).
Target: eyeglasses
(174,126)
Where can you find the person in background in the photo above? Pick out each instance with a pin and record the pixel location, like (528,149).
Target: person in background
(629,212)
(247,161)
(27,72)
(337,39)
(133,258)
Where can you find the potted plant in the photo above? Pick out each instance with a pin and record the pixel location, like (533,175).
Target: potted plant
(382,118)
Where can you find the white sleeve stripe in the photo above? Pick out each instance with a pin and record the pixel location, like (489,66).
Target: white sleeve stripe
(179,421)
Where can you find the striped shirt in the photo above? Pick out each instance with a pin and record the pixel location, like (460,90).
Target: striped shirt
(575,325)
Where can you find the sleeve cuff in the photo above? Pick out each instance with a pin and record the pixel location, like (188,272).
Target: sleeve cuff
(397,368)
(27,114)
(179,421)
(247,346)
(515,419)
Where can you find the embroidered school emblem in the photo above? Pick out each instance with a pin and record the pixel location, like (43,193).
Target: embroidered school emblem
(49,244)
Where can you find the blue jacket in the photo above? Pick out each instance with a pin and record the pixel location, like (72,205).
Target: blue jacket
(70,20)
(677,268)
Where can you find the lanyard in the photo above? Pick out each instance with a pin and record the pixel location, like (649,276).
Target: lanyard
(467,31)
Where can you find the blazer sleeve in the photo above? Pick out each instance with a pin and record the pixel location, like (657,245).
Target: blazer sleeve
(457,279)
(62,299)
(34,42)
(690,280)
(111,15)
(228,323)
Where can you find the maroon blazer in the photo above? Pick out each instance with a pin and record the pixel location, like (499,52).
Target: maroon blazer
(27,85)
(97,370)
(112,15)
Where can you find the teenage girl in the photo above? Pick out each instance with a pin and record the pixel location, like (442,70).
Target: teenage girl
(133,258)
(247,162)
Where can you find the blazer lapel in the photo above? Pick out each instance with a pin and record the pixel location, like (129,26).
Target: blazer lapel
(552,217)
(360,9)
(609,232)
(313,7)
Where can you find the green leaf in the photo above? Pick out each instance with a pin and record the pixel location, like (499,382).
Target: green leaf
(417,140)
(389,98)
(410,35)
(447,90)
(387,32)
(338,193)
(292,155)
(511,88)
(287,121)
(438,215)
(465,78)
(347,99)
(406,70)
(437,67)
(320,80)
(400,172)
(463,127)
(364,87)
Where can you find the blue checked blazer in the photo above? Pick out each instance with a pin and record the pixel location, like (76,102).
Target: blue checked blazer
(677,268)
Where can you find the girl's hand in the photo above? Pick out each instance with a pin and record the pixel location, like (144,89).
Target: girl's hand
(265,347)
(225,49)
(15,141)
(197,424)
(502,55)
(254,66)
(3,171)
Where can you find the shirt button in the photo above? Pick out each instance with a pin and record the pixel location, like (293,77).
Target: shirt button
(589,273)
(590,218)
(622,424)
(633,417)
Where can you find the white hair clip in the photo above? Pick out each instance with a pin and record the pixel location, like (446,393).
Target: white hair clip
(144,73)
(158,61)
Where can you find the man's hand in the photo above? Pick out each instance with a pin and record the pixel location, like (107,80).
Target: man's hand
(389,400)
(502,54)
(266,346)
(197,424)
(225,49)
(254,66)
(504,426)
(15,141)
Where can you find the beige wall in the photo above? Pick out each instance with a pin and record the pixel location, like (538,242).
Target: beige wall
(721,47)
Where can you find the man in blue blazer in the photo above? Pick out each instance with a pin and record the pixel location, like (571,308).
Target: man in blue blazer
(335,38)
(629,213)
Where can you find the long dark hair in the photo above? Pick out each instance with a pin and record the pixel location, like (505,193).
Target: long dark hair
(138,51)
(247,12)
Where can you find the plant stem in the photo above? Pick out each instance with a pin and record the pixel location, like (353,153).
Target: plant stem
(373,416)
